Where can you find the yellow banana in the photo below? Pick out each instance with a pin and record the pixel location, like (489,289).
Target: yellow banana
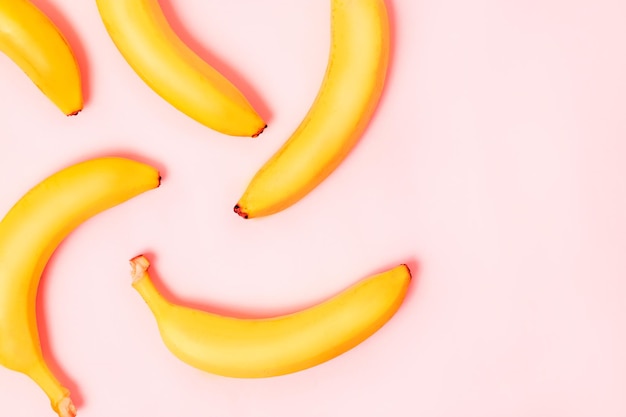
(255,348)
(147,42)
(29,234)
(36,45)
(337,118)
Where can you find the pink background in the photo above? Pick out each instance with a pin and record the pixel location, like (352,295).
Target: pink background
(494,166)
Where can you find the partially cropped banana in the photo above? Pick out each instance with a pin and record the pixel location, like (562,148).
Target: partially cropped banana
(255,348)
(36,45)
(145,39)
(349,94)
(29,234)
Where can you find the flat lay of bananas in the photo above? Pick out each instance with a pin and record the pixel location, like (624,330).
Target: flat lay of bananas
(46,214)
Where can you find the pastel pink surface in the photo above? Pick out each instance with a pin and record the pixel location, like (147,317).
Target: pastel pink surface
(495,167)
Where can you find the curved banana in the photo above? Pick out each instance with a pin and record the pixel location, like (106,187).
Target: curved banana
(37,46)
(29,234)
(255,348)
(337,118)
(147,42)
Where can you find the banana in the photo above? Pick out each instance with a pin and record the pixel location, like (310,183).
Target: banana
(29,234)
(35,44)
(256,348)
(349,93)
(145,39)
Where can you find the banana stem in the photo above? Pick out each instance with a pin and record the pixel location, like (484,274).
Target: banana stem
(139,265)
(144,286)
(59,395)
(66,408)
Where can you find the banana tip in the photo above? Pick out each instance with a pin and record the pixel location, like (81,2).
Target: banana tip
(408,270)
(259,132)
(237,209)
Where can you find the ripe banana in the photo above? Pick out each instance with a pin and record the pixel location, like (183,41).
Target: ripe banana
(37,46)
(29,234)
(255,348)
(147,42)
(349,93)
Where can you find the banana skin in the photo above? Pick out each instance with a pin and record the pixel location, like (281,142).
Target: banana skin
(166,64)
(37,46)
(267,347)
(348,96)
(29,234)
